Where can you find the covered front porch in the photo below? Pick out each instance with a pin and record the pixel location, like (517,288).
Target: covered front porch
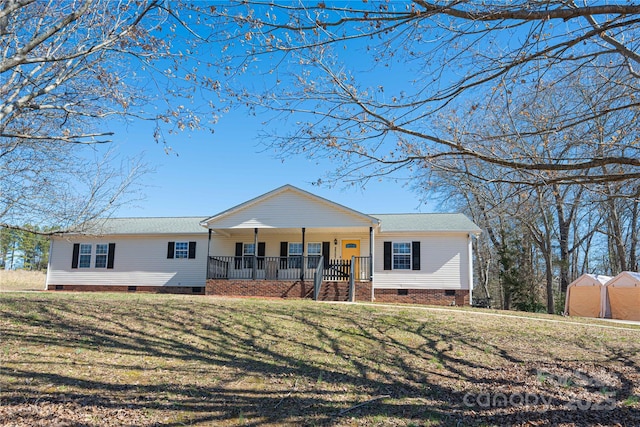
(290,243)
(316,263)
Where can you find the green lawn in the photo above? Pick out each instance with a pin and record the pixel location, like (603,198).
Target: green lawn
(169,360)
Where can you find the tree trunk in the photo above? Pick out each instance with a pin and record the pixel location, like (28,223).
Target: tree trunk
(551,309)
(635,224)
(619,255)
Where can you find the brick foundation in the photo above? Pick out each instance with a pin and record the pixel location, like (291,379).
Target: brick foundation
(191,290)
(260,288)
(330,291)
(422,296)
(363,291)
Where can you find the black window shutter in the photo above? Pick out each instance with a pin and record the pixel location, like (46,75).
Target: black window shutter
(171,249)
(111,255)
(415,255)
(238,258)
(326,253)
(192,250)
(76,255)
(284,251)
(261,251)
(387,255)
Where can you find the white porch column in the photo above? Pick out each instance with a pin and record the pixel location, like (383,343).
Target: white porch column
(371,253)
(208,256)
(371,269)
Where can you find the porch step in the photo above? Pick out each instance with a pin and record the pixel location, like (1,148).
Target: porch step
(334,291)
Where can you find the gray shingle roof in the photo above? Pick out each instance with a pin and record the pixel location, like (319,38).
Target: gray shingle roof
(167,225)
(426,222)
(419,222)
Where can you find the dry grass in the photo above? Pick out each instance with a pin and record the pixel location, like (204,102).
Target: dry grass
(169,360)
(22,280)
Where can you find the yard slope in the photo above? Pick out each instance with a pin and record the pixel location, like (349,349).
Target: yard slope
(170,360)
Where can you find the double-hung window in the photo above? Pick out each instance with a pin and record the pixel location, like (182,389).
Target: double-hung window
(402,256)
(83,253)
(295,255)
(248,252)
(182,250)
(102,252)
(85,256)
(314,251)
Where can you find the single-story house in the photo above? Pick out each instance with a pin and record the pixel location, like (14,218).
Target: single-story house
(285,243)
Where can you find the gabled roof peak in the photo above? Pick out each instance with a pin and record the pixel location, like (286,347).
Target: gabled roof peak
(283,189)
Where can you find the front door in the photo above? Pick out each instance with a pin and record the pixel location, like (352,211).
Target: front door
(350,248)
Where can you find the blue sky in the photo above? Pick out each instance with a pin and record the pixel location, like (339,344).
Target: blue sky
(208,173)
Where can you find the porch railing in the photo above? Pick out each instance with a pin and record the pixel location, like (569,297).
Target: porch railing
(337,270)
(362,268)
(262,268)
(288,268)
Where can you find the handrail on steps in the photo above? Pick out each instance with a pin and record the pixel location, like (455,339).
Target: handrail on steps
(317,279)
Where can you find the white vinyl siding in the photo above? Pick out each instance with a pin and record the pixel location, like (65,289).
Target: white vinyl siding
(290,209)
(139,261)
(444,262)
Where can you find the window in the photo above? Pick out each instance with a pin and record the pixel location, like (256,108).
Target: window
(85,256)
(314,251)
(248,251)
(295,255)
(82,252)
(102,251)
(182,250)
(177,250)
(449,293)
(402,256)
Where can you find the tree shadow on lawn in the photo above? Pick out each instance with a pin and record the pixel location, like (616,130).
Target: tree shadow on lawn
(180,361)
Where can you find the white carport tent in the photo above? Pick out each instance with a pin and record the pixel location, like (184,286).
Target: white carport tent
(587,297)
(623,294)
